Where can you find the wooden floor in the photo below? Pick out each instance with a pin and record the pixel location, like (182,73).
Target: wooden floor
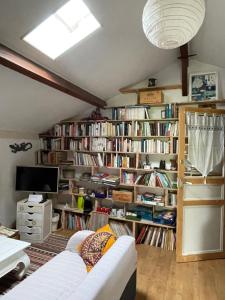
(159,277)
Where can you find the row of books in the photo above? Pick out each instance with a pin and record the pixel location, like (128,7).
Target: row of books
(171,111)
(104,159)
(156,128)
(128,145)
(109,129)
(147,146)
(152,179)
(120,228)
(104,144)
(52,158)
(122,161)
(93,129)
(156,236)
(130,113)
(102,129)
(75,222)
(84,159)
(51,144)
(76,145)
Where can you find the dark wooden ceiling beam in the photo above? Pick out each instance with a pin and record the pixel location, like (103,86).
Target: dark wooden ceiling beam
(15,61)
(184,57)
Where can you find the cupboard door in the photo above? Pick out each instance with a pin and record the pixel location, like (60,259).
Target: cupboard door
(200,217)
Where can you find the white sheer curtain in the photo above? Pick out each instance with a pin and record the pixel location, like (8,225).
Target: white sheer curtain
(205,141)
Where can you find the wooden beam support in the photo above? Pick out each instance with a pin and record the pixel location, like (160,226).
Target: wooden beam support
(21,64)
(184,68)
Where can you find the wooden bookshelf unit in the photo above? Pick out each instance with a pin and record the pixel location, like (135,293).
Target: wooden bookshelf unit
(141,152)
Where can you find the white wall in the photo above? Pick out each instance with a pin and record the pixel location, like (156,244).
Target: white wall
(8,163)
(169,76)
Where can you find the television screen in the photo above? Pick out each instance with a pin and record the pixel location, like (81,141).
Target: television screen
(37,179)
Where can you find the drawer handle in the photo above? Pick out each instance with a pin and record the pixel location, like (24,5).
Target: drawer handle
(30,213)
(29,226)
(30,219)
(29,233)
(30,206)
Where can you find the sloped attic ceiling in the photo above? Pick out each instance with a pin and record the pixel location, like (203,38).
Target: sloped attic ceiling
(116,55)
(27,105)
(209,43)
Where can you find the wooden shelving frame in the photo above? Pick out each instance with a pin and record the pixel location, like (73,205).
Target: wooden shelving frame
(134,187)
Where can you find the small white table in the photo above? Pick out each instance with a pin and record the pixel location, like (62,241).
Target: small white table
(12,256)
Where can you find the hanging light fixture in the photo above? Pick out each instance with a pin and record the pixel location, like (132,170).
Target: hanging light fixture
(169,24)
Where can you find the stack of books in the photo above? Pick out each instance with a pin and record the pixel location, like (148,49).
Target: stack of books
(111,180)
(11,233)
(106,179)
(151,199)
(98,177)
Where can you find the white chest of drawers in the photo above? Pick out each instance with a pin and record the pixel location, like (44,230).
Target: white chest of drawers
(34,220)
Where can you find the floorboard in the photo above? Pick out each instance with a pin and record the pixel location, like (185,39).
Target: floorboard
(159,277)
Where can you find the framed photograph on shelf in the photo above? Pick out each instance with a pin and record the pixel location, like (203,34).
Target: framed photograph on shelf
(203,86)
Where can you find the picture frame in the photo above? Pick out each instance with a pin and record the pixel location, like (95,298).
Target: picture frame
(203,86)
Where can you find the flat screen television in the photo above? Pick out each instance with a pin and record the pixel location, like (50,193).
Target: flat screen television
(37,179)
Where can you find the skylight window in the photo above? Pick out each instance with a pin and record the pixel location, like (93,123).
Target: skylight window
(66,27)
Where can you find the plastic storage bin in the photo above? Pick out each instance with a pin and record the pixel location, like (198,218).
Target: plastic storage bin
(55,220)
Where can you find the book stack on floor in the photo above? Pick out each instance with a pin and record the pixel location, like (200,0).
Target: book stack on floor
(120,228)
(158,237)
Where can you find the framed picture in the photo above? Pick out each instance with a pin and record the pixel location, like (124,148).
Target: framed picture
(203,86)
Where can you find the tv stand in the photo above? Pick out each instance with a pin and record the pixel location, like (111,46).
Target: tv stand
(34,220)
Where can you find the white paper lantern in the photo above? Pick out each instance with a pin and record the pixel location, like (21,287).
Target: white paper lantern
(169,24)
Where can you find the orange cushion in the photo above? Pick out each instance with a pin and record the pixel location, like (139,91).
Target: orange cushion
(96,245)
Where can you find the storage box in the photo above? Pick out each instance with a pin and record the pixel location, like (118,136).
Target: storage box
(123,196)
(146,97)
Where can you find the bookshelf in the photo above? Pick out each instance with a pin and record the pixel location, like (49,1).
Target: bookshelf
(139,151)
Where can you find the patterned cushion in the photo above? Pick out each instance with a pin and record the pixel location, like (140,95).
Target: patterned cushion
(96,245)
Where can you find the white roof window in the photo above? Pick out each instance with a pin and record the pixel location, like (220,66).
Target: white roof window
(66,27)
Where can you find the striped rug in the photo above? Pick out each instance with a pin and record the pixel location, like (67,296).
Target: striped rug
(39,254)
